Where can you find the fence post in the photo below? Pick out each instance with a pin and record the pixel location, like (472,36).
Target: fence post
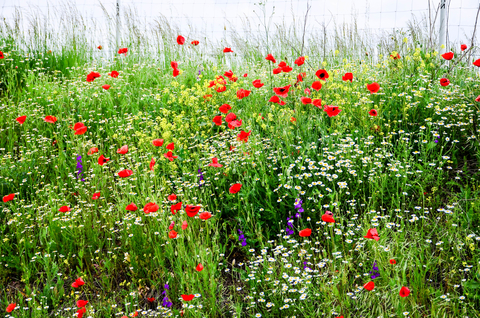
(442,40)
(117,27)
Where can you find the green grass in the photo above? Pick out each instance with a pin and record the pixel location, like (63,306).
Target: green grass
(411,172)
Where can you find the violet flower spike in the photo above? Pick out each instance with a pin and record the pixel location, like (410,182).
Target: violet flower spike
(80,168)
(200,175)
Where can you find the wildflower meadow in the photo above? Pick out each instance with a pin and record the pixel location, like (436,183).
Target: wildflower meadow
(272,185)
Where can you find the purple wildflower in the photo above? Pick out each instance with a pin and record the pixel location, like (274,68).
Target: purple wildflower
(375,271)
(242,238)
(165,301)
(200,175)
(289,228)
(199,73)
(305,265)
(80,168)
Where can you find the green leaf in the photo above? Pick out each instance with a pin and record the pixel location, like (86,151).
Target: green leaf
(473,284)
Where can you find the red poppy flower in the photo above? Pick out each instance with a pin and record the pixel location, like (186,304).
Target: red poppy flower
(372,234)
(106,87)
(227,50)
(81,311)
(331,110)
(477,99)
(257,83)
(397,57)
(96,196)
(274,99)
(444,81)
(195,43)
(123,51)
(170,146)
(317,103)
(463,47)
(151,300)
(228,74)
(169,155)
(82,303)
(373,88)
(245,75)
(184,225)
(180,40)
(322,74)
(92,150)
(277,70)
(174,65)
(8,197)
(270,58)
(300,60)
(305,232)
(92,76)
(114,74)
(176,207)
(175,72)
(99,47)
(157,142)
(215,163)
(21,119)
(192,210)
(369,286)
(328,217)
(316,85)
(282,91)
(224,108)
(187,297)
(235,188)
(172,197)
(243,136)
(150,207)
(221,89)
(50,119)
(404,291)
(217,120)
(234,124)
(347,77)
(1,55)
(131,207)
(293,119)
(80,128)
(172,234)
(308,91)
(199,268)
(242,93)
(205,215)
(11,307)
(287,69)
(300,77)
(123,150)
(152,164)
(78,282)
(64,209)
(207,96)
(393,262)
(448,56)
(220,80)
(306,100)
(102,160)
(230,117)
(373,112)
(125,173)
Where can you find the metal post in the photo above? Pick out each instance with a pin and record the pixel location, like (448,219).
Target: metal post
(117,37)
(442,40)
